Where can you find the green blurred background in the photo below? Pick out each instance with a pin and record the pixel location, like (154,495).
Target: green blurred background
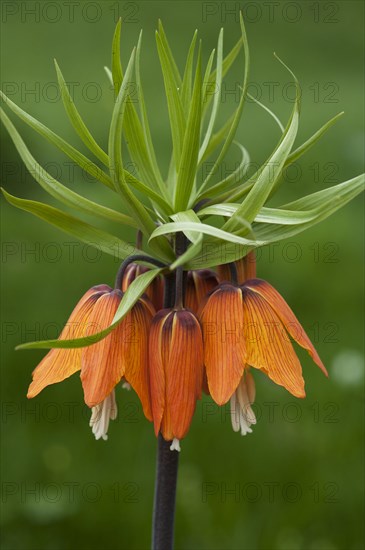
(296,482)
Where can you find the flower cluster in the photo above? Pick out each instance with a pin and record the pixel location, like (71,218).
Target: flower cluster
(223,324)
(188,324)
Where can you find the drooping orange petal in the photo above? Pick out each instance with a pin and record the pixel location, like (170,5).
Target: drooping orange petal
(268,345)
(190,298)
(102,364)
(131,272)
(224,346)
(205,280)
(155,291)
(158,353)
(249,267)
(241,270)
(283,311)
(223,273)
(184,374)
(135,329)
(246,269)
(60,363)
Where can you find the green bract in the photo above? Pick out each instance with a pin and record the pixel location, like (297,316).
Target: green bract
(177,203)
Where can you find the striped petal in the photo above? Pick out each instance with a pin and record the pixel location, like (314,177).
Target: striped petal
(176,371)
(155,291)
(224,273)
(137,323)
(268,345)
(249,266)
(190,298)
(224,346)
(159,351)
(246,269)
(287,317)
(184,374)
(205,280)
(198,285)
(59,364)
(102,364)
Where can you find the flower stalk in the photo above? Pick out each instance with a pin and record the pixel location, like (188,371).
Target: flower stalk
(167,461)
(165,496)
(187,313)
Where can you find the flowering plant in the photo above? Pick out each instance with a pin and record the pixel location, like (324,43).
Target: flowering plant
(187,313)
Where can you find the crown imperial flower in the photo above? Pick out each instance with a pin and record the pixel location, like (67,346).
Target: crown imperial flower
(176,370)
(181,317)
(120,355)
(59,364)
(250,326)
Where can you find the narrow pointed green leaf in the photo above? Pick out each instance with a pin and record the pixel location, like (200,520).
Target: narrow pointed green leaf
(138,150)
(73,226)
(217,139)
(115,152)
(327,199)
(238,112)
(293,157)
(109,75)
(117,73)
(130,297)
(297,153)
(146,223)
(324,203)
(273,225)
(188,74)
(175,71)
(148,192)
(80,159)
(145,123)
(174,104)
(206,81)
(57,189)
(273,115)
(266,215)
(284,216)
(216,100)
(232,179)
(196,238)
(76,120)
(302,149)
(271,171)
(227,64)
(183,226)
(189,157)
(217,253)
(137,135)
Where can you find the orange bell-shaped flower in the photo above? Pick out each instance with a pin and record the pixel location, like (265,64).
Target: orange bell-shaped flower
(123,353)
(60,363)
(224,343)
(268,322)
(176,371)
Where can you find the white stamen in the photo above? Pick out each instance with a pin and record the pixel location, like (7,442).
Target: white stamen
(235,413)
(101,415)
(175,445)
(242,415)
